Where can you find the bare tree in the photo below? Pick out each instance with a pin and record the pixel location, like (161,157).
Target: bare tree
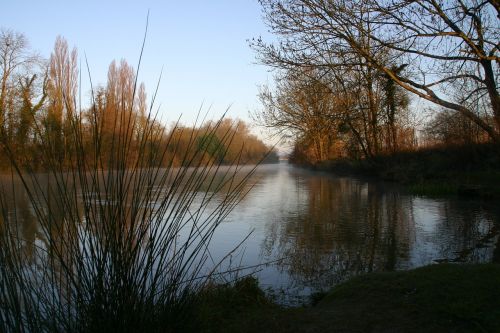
(302,107)
(15,60)
(62,89)
(120,96)
(446,52)
(452,52)
(308,41)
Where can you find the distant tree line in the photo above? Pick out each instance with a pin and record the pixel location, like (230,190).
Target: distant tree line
(346,71)
(41,113)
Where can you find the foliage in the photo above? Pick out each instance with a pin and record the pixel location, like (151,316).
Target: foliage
(38,102)
(212,145)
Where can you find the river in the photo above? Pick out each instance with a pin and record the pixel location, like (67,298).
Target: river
(308,231)
(315,230)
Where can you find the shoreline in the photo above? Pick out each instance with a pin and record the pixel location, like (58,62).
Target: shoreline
(434,298)
(471,171)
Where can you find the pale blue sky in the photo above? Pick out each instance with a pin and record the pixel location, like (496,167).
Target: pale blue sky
(201,45)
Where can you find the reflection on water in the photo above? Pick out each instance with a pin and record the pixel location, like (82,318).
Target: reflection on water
(315,230)
(327,229)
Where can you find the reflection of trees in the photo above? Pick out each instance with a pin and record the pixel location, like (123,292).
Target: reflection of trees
(27,223)
(40,245)
(466,231)
(18,216)
(63,211)
(61,232)
(341,227)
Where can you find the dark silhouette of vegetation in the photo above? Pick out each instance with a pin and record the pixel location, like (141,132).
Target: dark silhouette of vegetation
(471,170)
(123,248)
(436,298)
(125,208)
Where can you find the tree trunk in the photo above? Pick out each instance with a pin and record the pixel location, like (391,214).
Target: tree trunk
(492,91)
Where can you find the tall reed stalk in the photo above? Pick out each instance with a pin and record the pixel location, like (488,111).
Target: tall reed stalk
(122,240)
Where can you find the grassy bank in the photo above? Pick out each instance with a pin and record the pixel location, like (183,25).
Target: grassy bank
(471,170)
(436,298)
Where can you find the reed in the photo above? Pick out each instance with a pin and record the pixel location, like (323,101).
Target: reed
(123,236)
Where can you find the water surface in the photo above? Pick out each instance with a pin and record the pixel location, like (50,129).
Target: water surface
(316,230)
(308,231)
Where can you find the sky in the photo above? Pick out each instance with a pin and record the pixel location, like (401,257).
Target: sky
(202,47)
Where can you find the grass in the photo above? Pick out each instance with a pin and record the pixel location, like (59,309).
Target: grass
(458,298)
(123,236)
(436,298)
(224,307)
(118,249)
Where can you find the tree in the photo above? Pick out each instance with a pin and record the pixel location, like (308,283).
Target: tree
(303,107)
(118,116)
(22,94)
(449,129)
(15,60)
(367,100)
(27,115)
(62,89)
(395,98)
(450,48)
(211,145)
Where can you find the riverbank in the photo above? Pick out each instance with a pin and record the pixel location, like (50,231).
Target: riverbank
(436,298)
(471,170)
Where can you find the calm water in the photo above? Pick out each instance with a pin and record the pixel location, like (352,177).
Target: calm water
(316,230)
(309,230)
